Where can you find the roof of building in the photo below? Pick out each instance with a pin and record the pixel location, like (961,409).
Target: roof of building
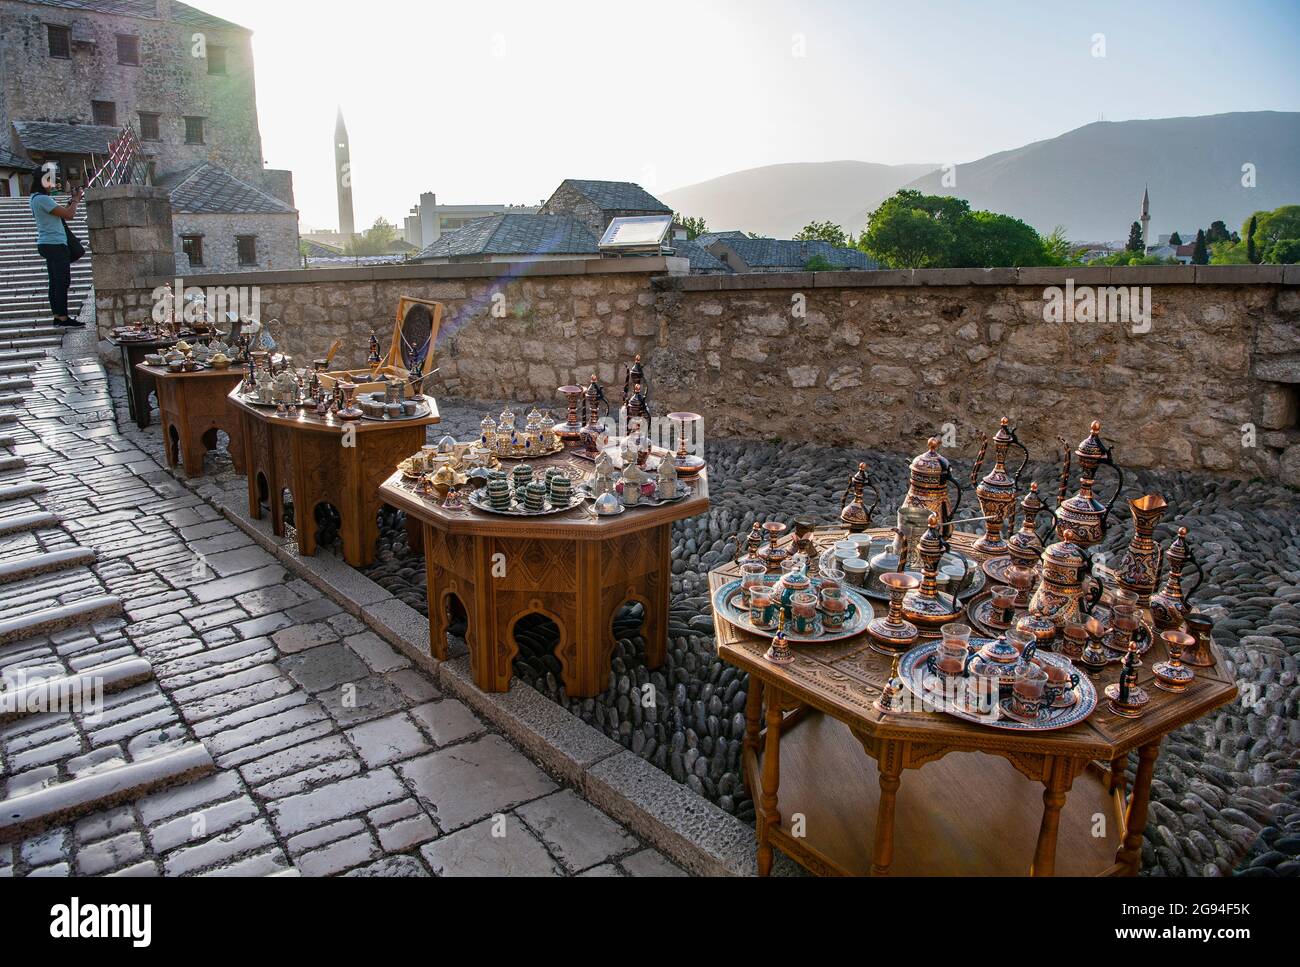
(145,9)
(708,238)
(206,189)
(315,250)
(10,160)
(515,234)
(701,259)
(57,137)
(617,195)
(779,253)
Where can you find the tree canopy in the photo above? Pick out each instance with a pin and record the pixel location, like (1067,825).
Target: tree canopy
(378,239)
(912,230)
(824,232)
(695,227)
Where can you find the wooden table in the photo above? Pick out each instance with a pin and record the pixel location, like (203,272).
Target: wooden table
(194,406)
(324,461)
(978,811)
(139,384)
(575,568)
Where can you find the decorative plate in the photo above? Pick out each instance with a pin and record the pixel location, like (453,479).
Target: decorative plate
(479,501)
(979,610)
(924,685)
(421,411)
(998,568)
(974,575)
(728,604)
(534,454)
(252,400)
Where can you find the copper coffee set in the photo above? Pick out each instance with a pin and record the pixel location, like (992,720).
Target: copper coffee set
(1051,595)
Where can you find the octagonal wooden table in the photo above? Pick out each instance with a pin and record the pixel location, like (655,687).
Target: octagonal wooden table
(194,406)
(574,568)
(140,383)
(325,461)
(974,809)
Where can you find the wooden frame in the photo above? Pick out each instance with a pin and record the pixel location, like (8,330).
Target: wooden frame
(393,364)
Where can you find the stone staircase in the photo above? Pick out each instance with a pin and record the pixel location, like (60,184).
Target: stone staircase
(24,303)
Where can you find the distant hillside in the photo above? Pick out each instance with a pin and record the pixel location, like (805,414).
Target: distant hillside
(778,200)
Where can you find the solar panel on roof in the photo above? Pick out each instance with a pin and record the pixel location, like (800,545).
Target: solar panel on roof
(636,233)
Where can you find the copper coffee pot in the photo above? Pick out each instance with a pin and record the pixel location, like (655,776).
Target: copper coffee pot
(997,492)
(1062,596)
(1169,608)
(929,476)
(1026,545)
(925,605)
(1083,513)
(636,391)
(593,398)
(854,512)
(1139,567)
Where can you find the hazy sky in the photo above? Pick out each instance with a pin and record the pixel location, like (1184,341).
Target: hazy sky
(500,100)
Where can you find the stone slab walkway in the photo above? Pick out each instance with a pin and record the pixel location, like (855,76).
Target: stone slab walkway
(334,753)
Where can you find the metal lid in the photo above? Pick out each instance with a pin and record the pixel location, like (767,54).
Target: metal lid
(1065,553)
(1092,448)
(932,462)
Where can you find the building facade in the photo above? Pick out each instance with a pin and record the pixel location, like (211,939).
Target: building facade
(430,221)
(73,73)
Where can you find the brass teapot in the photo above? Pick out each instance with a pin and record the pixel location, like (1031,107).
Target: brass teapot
(997,492)
(854,512)
(1083,513)
(1066,593)
(1170,608)
(1026,545)
(929,476)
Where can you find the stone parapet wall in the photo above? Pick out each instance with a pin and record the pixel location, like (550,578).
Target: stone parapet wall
(878,358)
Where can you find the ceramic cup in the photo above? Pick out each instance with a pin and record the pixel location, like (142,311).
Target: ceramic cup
(855,571)
(751,575)
(803,613)
(1029,690)
(762,610)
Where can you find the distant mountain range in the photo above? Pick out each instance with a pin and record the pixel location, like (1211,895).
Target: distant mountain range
(1090,180)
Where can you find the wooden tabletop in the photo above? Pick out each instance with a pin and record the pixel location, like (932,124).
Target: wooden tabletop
(576,524)
(309,422)
(843,679)
(162,372)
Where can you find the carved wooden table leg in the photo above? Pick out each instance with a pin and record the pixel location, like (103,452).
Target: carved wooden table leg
(890,766)
(435,584)
(1059,779)
(753,715)
(768,814)
(1129,854)
(491,647)
(254,462)
(415,535)
(656,593)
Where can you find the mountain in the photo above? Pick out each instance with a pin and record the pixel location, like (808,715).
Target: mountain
(779,200)
(1090,180)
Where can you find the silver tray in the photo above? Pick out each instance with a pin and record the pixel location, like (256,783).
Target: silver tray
(422,411)
(479,501)
(683,491)
(974,574)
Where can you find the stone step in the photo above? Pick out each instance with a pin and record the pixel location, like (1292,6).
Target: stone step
(18,491)
(12,399)
(41,342)
(90,683)
(19,382)
(8,463)
(22,354)
(10,417)
(28,522)
(7,442)
(15,369)
(58,618)
(36,811)
(28,567)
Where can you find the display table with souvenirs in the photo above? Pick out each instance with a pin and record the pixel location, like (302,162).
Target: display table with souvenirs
(996,681)
(192,400)
(549,519)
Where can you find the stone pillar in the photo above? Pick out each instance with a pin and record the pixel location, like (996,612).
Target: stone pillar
(132,248)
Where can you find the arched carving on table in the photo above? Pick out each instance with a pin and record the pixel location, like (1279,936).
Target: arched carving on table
(324,517)
(263,490)
(288,512)
(508,646)
(629,595)
(172,440)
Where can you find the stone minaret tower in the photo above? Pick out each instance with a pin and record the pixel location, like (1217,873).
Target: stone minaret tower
(1145,219)
(343,178)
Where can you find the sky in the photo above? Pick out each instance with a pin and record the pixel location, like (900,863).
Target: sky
(498,101)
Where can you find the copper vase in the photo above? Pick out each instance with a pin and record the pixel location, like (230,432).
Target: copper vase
(997,492)
(1169,607)
(1139,567)
(1084,514)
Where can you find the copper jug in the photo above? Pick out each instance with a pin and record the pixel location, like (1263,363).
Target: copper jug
(1063,596)
(929,476)
(925,605)
(593,399)
(1026,546)
(1169,608)
(1083,513)
(1139,567)
(854,512)
(997,492)
(636,391)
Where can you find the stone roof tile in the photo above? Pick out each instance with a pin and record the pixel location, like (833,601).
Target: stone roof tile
(207,189)
(515,234)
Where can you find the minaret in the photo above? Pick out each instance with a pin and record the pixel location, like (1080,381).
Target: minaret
(1145,219)
(343,178)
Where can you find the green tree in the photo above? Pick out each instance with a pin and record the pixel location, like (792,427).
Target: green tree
(376,240)
(1252,252)
(1175,239)
(1217,232)
(1276,225)
(912,230)
(695,227)
(1285,251)
(987,239)
(902,237)
(1201,253)
(1228,253)
(818,263)
(1058,248)
(1134,238)
(824,232)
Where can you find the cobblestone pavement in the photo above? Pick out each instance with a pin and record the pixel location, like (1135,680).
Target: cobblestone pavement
(333,753)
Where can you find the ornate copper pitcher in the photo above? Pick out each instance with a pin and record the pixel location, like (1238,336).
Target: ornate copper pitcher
(1063,595)
(1026,546)
(929,477)
(925,605)
(997,492)
(1169,608)
(854,512)
(1083,513)
(636,391)
(592,401)
(1139,567)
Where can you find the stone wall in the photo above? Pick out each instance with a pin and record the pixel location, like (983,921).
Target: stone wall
(277,241)
(169,81)
(879,358)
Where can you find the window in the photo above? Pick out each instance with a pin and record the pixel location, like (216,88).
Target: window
(60,39)
(216,60)
(247,245)
(104,112)
(128,49)
(149,127)
(194,130)
(192,246)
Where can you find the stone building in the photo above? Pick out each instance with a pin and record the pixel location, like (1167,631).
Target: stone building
(74,73)
(740,253)
(596,203)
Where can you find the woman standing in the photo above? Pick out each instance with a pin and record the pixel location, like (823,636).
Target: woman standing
(52,241)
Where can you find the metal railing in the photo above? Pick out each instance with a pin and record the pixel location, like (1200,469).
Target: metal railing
(125,165)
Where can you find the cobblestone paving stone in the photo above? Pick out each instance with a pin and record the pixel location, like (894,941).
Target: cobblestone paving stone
(334,755)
